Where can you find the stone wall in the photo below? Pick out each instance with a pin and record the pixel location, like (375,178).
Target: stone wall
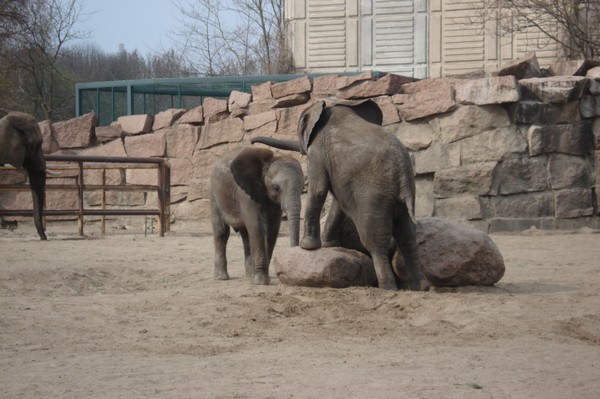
(503,152)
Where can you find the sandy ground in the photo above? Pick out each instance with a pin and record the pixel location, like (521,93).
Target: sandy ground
(128,316)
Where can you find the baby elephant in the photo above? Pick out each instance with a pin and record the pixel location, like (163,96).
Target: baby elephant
(250,188)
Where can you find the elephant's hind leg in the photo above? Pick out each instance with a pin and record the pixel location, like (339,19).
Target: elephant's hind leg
(260,257)
(383,270)
(406,240)
(221,233)
(375,234)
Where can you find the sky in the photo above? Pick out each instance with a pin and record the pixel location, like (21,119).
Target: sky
(144,25)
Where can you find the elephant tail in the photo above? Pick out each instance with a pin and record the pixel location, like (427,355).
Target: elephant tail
(290,145)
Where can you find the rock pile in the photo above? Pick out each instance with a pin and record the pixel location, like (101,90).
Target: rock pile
(451,254)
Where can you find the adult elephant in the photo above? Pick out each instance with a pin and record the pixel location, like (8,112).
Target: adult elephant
(370,174)
(250,188)
(21,146)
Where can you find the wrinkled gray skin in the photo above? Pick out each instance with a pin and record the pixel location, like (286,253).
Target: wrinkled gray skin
(21,146)
(250,188)
(370,174)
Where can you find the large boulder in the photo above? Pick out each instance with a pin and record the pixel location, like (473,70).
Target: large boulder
(454,254)
(326,267)
(451,254)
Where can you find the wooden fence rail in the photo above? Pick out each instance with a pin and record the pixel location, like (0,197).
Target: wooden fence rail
(103,163)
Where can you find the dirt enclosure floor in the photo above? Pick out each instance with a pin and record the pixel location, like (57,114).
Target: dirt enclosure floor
(128,316)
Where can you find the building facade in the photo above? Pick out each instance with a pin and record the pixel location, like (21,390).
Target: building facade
(419,38)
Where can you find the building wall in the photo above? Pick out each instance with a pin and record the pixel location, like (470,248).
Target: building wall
(418,38)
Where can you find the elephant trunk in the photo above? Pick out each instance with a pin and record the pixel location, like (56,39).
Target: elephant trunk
(37,182)
(290,145)
(292,210)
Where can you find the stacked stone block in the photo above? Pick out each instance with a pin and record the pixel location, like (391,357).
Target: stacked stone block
(504,152)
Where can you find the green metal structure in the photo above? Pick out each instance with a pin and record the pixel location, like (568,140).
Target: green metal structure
(112,99)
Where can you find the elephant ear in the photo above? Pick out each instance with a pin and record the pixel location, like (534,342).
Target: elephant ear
(307,122)
(369,111)
(247,170)
(366,109)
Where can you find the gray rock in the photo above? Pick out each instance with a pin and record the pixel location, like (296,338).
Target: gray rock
(530,205)
(572,67)
(459,208)
(431,159)
(326,267)
(525,67)
(590,106)
(539,113)
(469,179)
(554,89)
(424,201)
(494,90)
(594,76)
(522,175)
(471,120)
(574,203)
(568,171)
(453,254)
(492,145)
(415,136)
(570,138)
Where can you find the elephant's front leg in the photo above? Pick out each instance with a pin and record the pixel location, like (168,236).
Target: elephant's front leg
(260,257)
(333,226)
(318,186)
(220,236)
(248,261)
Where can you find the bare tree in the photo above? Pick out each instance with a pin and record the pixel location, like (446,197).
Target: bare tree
(168,64)
(34,52)
(268,16)
(573,24)
(12,18)
(202,35)
(234,37)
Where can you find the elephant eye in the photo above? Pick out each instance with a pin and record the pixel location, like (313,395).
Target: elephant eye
(276,187)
